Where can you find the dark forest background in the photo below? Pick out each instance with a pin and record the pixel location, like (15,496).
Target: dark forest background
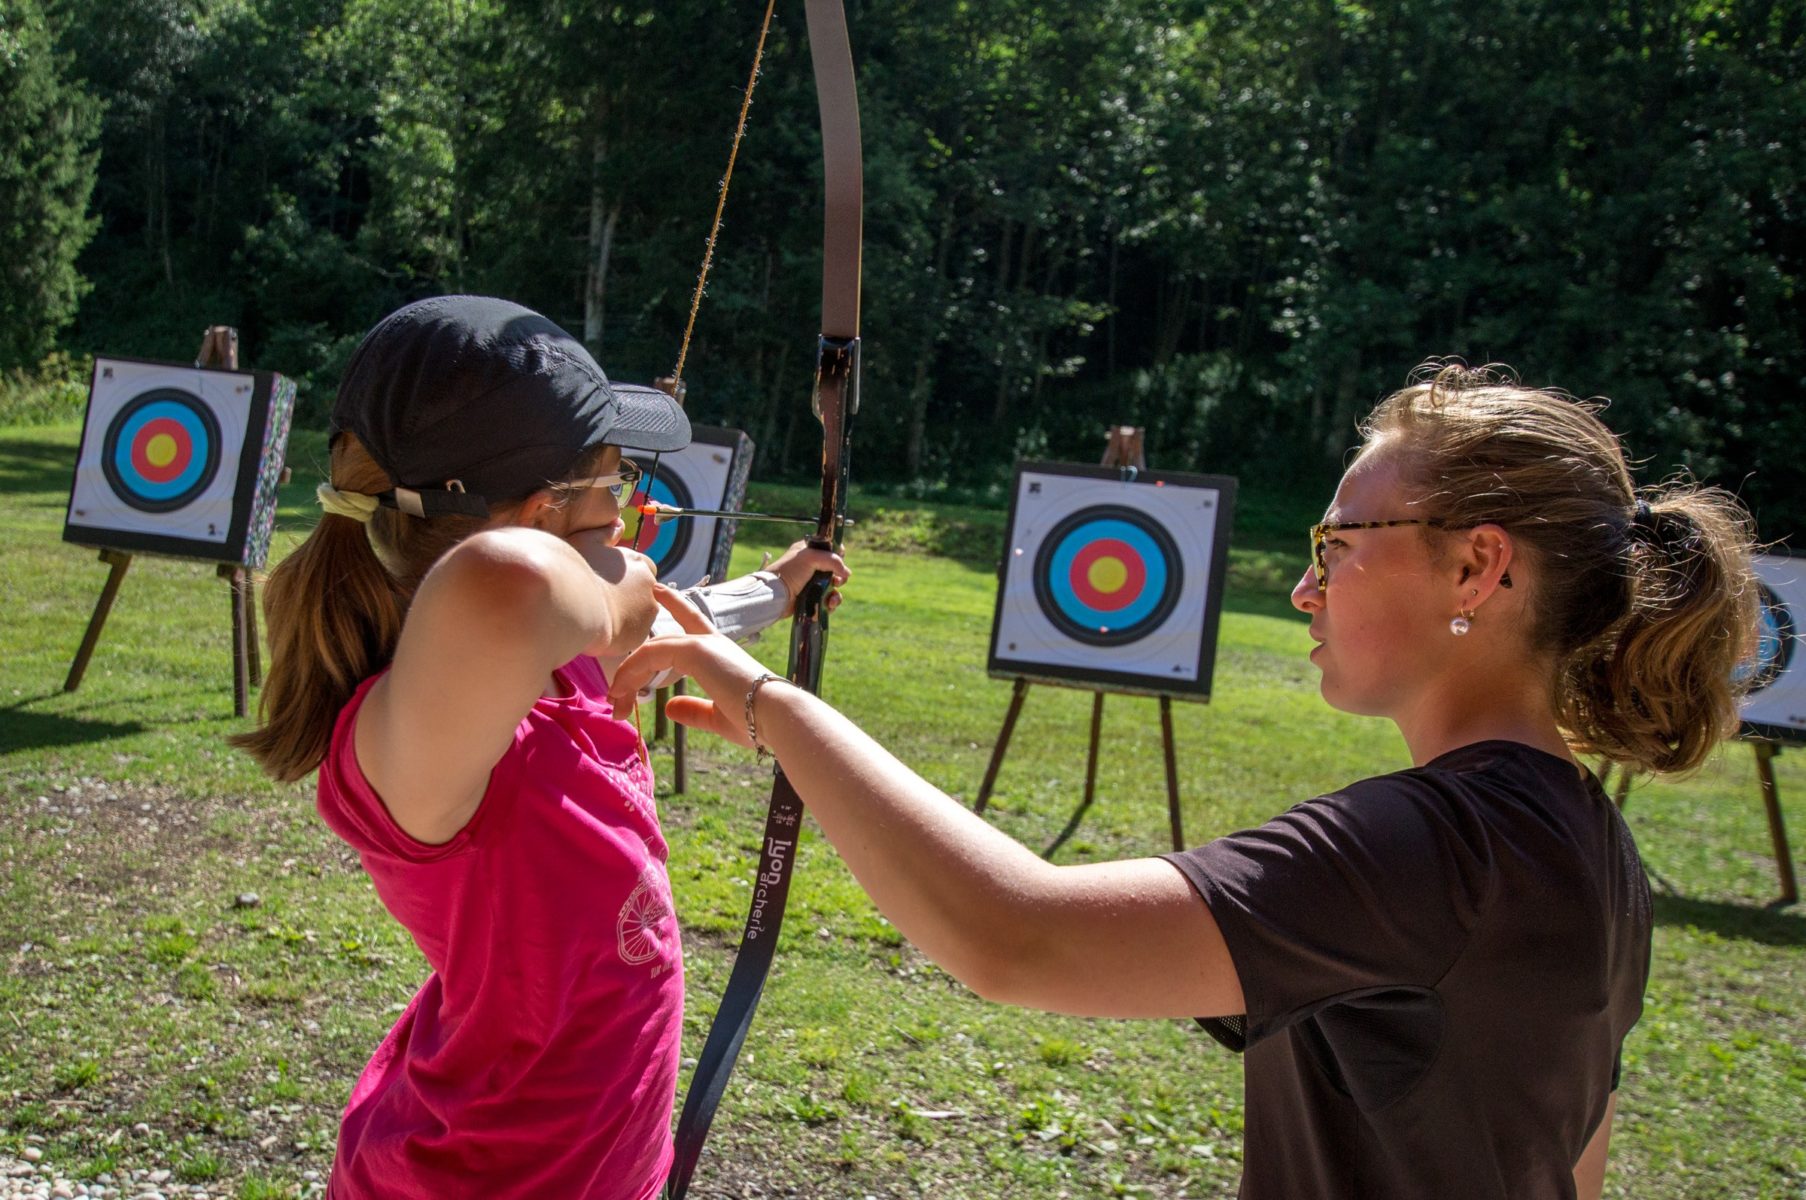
(1238,224)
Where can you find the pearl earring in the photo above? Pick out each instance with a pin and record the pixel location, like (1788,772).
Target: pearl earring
(1461,624)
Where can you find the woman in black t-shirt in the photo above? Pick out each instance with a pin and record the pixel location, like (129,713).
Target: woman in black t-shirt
(1431,972)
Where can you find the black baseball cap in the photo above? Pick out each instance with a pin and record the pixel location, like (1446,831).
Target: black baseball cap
(465,399)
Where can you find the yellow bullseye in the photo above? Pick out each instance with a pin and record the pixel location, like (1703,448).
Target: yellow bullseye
(160,451)
(1107,574)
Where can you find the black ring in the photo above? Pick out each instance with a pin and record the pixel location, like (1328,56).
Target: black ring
(110,448)
(1089,635)
(1768,668)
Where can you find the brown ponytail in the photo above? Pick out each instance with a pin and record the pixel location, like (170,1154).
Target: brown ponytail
(334,612)
(1646,601)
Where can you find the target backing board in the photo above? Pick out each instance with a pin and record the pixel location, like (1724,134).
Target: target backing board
(180,460)
(709,473)
(1112,584)
(1775,706)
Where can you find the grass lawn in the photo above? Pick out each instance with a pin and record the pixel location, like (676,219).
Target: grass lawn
(193,969)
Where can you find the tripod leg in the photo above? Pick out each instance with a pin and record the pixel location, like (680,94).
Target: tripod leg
(241,667)
(1097,722)
(679,768)
(252,642)
(1003,743)
(118,562)
(1777,832)
(1172,772)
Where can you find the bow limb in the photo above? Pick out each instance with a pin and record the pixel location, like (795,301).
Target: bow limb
(836,396)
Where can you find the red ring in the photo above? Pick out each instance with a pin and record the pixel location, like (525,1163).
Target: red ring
(151,472)
(1123,596)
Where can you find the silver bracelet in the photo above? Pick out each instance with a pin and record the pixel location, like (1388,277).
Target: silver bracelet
(752,724)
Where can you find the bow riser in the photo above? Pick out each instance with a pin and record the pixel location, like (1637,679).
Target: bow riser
(836,399)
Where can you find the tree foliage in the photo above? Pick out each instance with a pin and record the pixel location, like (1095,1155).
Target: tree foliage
(1238,224)
(47,126)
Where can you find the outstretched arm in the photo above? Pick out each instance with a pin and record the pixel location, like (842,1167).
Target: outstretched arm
(1123,939)
(1589,1172)
(745,607)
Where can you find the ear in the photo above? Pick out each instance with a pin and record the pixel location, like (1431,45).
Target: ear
(1484,557)
(540,511)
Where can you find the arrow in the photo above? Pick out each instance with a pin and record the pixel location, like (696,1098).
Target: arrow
(664,513)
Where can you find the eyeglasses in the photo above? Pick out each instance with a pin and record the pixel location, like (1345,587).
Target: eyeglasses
(620,483)
(1320,568)
(1323,530)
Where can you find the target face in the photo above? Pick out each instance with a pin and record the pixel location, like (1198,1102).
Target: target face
(1775,702)
(1112,583)
(672,540)
(1774,640)
(180,460)
(709,473)
(1108,574)
(162,450)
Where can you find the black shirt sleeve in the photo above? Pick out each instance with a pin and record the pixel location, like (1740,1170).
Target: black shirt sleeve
(1372,887)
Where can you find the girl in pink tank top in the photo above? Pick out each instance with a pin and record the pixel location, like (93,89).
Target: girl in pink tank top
(435,655)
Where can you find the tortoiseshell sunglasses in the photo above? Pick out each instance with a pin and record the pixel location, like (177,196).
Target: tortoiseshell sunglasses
(1320,569)
(1322,530)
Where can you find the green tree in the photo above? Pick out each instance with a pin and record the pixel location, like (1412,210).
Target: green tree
(48,125)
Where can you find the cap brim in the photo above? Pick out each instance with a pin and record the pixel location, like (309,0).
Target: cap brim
(646,419)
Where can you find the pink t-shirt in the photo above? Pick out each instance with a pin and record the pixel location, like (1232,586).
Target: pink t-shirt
(540,1057)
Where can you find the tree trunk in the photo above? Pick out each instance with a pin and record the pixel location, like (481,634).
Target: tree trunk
(1038,369)
(1175,304)
(1343,417)
(922,384)
(603,217)
(1000,403)
(1110,310)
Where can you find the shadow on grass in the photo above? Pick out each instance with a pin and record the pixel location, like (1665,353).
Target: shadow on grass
(31,465)
(1770,926)
(24,730)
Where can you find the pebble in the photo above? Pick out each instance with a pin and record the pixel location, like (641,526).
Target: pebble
(29,1178)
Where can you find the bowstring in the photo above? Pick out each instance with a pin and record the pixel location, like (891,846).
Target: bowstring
(641,539)
(708,253)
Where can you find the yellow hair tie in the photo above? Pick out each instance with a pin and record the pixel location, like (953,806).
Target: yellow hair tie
(355,505)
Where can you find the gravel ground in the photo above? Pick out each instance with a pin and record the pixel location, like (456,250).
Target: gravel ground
(33,1179)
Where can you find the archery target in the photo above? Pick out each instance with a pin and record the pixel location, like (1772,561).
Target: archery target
(161,450)
(709,473)
(179,460)
(1108,575)
(1775,703)
(1112,582)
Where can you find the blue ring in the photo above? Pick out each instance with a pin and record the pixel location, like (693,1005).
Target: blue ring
(198,438)
(667,533)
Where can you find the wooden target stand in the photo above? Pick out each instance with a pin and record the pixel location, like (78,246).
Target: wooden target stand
(660,724)
(1017,697)
(1766,750)
(1123,448)
(219,349)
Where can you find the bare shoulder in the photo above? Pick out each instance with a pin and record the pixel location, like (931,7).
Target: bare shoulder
(465,673)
